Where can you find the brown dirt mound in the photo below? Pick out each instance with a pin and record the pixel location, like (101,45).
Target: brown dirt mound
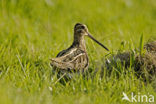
(150,47)
(144,65)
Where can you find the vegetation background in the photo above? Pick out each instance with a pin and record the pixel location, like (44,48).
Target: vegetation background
(33,31)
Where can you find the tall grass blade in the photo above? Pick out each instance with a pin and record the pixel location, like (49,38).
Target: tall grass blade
(141,44)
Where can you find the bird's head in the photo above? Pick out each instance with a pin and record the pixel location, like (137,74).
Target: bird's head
(82,30)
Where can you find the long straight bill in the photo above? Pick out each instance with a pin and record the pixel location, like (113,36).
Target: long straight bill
(98,42)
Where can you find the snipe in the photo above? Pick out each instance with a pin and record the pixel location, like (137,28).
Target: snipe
(74,58)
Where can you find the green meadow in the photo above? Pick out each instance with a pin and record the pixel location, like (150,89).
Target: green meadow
(33,31)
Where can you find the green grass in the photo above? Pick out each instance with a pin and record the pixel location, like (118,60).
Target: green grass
(33,31)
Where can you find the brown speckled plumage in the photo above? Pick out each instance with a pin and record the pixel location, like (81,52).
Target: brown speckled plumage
(75,57)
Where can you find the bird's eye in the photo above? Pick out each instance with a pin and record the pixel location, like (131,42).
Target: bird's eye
(82,27)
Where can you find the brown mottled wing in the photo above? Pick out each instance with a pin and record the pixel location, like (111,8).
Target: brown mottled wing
(74,59)
(64,51)
(61,53)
